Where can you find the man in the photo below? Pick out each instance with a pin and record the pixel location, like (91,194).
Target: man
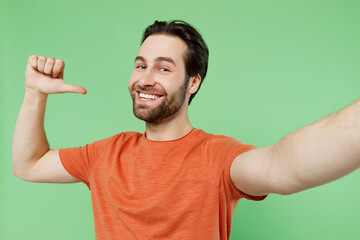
(174,181)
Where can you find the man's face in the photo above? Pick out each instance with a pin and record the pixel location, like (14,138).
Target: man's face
(158,85)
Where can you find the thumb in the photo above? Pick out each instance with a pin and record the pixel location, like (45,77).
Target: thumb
(73,89)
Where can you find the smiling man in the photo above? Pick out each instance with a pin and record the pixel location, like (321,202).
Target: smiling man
(174,181)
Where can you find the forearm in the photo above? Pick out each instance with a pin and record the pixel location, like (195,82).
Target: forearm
(319,152)
(29,140)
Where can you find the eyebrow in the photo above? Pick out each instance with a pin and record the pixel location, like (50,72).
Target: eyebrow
(158,59)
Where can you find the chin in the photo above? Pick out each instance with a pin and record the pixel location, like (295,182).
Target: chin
(159,111)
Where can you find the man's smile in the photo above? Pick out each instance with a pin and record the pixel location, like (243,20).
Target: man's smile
(147,97)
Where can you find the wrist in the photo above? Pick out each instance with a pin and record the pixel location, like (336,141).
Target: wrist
(34,96)
(31,92)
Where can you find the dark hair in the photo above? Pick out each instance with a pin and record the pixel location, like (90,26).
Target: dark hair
(197,54)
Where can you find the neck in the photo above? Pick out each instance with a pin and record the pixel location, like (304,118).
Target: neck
(171,129)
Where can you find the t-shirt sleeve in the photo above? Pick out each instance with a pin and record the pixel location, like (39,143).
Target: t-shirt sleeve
(237,193)
(230,151)
(78,161)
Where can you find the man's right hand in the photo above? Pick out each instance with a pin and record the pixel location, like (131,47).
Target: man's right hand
(45,76)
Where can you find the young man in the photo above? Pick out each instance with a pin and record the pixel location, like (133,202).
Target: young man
(174,181)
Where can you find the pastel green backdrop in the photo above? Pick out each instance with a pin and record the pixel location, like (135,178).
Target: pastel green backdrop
(274,67)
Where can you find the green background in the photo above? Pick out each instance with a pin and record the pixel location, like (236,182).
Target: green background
(274,67)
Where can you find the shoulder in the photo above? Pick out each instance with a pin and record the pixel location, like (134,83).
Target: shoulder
(221,140)
(116,139)
(221,146)
(124,137)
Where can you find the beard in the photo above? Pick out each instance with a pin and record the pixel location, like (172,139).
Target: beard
(167,108)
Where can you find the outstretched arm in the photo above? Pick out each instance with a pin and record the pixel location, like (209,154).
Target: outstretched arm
(316,154)
(32,160)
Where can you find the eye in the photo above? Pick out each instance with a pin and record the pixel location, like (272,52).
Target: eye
(164,69)
(141,66)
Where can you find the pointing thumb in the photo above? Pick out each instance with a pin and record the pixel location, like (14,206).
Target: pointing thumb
(73,89)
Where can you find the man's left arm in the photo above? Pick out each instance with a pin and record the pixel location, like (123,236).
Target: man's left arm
(316,154)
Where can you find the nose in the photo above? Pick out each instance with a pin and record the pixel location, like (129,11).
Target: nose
(147,79)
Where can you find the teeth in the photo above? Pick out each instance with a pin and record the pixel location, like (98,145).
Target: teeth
(148,96)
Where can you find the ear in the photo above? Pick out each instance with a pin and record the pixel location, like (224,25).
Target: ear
(194,84)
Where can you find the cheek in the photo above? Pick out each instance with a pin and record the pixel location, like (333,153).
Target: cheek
(131,81)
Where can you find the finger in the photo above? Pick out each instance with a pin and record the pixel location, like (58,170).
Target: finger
(73,89)
(58,68)
(33,61)
(41,63)
(49,65)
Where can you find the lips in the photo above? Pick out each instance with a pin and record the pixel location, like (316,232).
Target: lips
(144,95)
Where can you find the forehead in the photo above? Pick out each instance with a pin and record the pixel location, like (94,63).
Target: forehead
(160,45)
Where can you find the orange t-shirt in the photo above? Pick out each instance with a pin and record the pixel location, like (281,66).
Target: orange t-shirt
(144,189)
